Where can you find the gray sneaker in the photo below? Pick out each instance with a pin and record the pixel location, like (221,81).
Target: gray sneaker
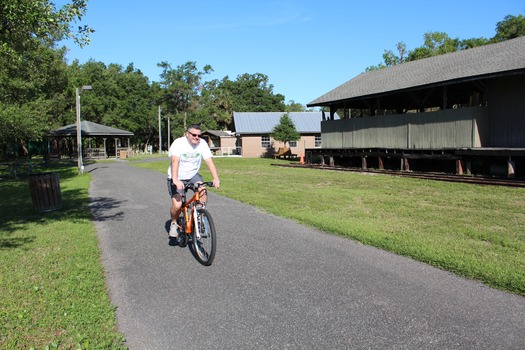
(174,232)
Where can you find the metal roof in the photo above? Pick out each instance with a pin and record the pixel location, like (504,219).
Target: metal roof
(90,129)
(483,61)
(264,122)
(218,133)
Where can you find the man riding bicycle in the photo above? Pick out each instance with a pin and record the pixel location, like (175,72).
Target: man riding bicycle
(186,154)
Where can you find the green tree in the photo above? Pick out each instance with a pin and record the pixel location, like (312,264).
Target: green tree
(216,106)
(182,87)
(390,58)
(25,23)
(473,42)
(293,106)
(511,27)
(120,98)
(33,73)
(285,131)
(253,93)
(31,95)
(439,43)
(435,43)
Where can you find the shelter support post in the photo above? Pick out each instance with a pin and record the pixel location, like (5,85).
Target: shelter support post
(363,163)
(405,164)
(459,167)
(511,165)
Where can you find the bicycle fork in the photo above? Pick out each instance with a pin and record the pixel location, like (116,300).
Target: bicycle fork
(192,220)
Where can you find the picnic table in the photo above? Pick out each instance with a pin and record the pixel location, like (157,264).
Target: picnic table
(284,152)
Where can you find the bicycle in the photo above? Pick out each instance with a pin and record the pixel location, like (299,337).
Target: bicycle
(196,225)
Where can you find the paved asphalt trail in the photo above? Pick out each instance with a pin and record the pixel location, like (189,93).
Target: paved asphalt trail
(275,284)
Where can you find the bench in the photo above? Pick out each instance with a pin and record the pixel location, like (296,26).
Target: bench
(15,169)
(284,152)
(4,170)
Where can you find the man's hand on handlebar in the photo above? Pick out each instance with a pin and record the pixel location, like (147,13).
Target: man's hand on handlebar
(178,183)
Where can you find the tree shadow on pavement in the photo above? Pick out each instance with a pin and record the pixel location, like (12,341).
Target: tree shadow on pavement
(102,209)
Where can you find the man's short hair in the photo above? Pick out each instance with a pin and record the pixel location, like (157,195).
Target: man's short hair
(194,126)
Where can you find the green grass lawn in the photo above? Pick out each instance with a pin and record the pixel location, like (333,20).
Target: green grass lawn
(52,282)
(474,231)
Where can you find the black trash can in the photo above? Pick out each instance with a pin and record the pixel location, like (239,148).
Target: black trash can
(45,192)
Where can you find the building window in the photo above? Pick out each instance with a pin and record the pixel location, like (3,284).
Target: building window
(265,141)
(292,143)
(317,142)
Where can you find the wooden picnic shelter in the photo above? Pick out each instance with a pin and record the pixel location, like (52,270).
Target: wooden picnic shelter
(98,141)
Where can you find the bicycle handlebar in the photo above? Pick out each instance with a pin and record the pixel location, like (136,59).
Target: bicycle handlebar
(193,186)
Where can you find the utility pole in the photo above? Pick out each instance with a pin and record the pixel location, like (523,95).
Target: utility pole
(160,135)
(169,131)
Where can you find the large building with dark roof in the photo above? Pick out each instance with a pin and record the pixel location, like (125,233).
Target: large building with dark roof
(467,106)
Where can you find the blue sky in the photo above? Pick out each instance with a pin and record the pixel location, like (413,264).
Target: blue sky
(305,47)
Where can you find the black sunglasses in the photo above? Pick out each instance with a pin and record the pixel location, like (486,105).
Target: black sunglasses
(194,135)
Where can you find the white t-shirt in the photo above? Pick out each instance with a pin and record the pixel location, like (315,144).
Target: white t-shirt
(190,157)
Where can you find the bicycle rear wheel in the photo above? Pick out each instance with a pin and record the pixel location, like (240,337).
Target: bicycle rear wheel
(204,238)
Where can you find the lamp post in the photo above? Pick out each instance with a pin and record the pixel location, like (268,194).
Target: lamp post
(79,128)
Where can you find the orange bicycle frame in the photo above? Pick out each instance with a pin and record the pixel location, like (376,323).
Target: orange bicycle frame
(195,199)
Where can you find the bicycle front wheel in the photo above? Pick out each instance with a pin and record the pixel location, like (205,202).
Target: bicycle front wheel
(204,238)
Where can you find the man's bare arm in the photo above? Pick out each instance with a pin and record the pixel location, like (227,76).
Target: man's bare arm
(213,171)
